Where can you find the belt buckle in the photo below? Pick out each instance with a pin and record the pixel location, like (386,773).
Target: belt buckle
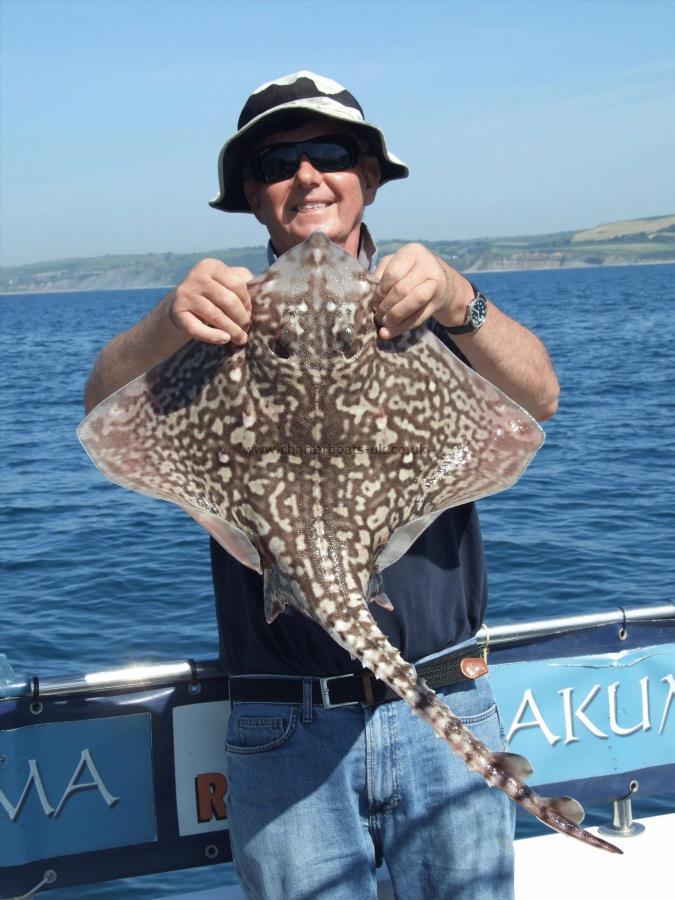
(325,696)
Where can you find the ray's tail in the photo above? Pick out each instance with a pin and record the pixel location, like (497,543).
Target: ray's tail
(502,770)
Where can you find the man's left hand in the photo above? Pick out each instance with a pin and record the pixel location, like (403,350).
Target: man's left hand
(414,285)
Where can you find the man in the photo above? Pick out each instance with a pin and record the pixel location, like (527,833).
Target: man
(320,793)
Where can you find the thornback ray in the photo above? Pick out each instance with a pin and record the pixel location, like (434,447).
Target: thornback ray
(317,453)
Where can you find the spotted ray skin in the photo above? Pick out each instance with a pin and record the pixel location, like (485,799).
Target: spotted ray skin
(317,454)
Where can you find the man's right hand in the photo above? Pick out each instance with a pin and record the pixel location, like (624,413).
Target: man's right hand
(212,304)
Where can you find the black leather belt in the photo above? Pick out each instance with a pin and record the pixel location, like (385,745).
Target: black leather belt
(353,689)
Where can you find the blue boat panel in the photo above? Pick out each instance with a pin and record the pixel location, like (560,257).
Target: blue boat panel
(73,787)
(151,844)
(650,782)
(590,716)
(187,853)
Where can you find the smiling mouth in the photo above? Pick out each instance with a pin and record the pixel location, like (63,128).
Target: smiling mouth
(308,207)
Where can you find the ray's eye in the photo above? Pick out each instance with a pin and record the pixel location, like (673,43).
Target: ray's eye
(346,337)
(280,349)
(282,346)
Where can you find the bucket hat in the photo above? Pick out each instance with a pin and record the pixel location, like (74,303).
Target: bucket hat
(284,104)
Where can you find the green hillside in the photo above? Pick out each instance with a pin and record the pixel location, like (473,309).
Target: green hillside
(627,242)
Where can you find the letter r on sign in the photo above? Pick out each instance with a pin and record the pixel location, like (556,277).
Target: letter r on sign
(210,790)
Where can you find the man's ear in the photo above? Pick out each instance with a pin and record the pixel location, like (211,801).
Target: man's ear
(371,171)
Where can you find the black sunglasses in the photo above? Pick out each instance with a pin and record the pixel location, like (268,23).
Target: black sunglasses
(328,153)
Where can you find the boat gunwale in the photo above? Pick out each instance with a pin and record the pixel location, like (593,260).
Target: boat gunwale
(150,675)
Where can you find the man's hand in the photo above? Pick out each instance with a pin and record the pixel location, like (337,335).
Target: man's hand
(212,304)
(415,285)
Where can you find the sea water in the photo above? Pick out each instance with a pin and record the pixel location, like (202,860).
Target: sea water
(95,576)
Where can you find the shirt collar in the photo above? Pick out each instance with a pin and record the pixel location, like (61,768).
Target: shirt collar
(367,255)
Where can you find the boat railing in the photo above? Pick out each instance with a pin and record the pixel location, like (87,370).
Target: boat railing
(158,673)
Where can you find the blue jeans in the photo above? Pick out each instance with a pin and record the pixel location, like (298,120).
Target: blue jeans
(317,796)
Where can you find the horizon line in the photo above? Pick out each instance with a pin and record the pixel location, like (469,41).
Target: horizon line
(262,246)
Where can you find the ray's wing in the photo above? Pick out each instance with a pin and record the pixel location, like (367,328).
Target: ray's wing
(486,440)
(169,434)
(458,438)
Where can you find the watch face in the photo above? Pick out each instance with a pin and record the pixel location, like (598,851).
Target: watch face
(478,311)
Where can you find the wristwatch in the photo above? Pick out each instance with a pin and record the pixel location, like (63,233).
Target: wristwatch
(476,314)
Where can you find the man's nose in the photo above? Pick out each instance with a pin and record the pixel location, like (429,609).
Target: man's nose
(307,174)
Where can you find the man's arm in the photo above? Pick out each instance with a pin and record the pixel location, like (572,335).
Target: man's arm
(212,304)
(415,284)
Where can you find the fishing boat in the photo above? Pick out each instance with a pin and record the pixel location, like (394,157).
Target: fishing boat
(121,773)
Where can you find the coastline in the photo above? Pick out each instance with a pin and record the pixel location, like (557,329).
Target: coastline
(469,271)
(644,262)
(101,290)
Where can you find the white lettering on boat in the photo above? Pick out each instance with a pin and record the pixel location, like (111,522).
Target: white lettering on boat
(74,785)
(528,702)
(643,725)
(579,713)
(607,711)
(670,681)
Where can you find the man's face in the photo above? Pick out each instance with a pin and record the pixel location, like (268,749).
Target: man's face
(331,201)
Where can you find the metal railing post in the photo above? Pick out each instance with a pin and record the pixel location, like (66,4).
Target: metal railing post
(622,824)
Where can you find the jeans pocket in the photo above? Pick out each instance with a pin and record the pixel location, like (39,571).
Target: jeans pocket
(472,703)
(479,717)
(252,730)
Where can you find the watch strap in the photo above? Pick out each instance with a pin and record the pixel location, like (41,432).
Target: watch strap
(470,324)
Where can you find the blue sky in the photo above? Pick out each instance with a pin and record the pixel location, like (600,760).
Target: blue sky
(514,117)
